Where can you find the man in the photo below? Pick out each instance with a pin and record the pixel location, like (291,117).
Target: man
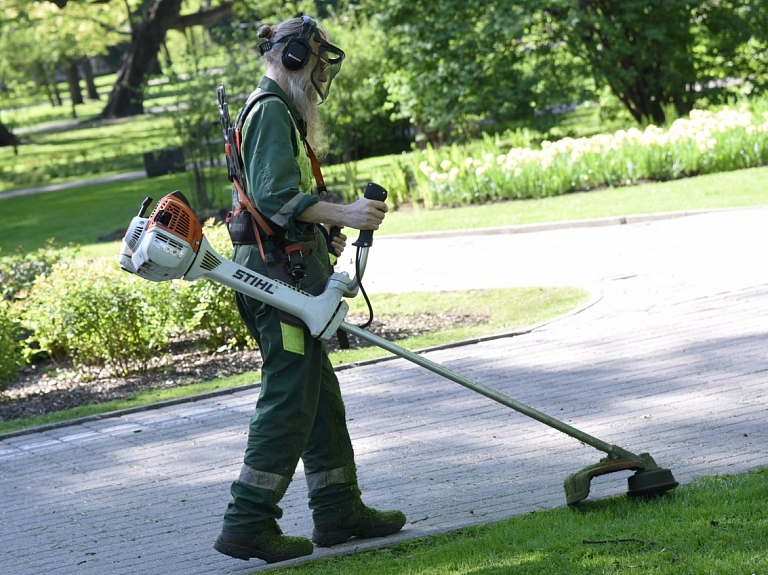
(300,412)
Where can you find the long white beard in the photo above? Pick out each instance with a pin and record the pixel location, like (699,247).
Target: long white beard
(304,96)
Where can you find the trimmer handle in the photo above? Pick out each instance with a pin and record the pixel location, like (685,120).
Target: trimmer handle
(372,192)
(144,206)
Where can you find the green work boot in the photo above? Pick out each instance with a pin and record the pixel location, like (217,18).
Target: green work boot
(266,542)
(363,522)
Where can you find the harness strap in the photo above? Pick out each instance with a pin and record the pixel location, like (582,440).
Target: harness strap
(255,215)
(259,221)
(322,191)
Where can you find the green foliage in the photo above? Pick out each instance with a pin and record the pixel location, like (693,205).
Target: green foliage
(448,69)
(11,360)
(641,49)
(19,270)
(206,310)
(97,316)
(359,120)
(195,110)
(81,30)
(661,53)
(704,143)
(18,273)
(92,313)
(732,49)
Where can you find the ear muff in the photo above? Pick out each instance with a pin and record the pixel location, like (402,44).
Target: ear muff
(297,50)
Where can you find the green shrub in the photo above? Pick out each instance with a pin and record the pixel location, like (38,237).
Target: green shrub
(11,360)
(207,313)
(95,315)
(19,270)
(205,309)
(98,316)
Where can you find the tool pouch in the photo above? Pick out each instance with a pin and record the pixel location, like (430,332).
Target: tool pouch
(241,227)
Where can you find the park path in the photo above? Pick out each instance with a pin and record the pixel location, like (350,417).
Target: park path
(671,358)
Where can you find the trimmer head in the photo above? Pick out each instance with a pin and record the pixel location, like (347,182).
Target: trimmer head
(649,480)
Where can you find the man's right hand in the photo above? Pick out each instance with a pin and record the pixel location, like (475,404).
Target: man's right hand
(365,214)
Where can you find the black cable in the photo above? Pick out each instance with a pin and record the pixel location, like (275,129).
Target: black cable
(362,290)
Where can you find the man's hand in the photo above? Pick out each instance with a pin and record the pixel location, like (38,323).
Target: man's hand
(363,214)
(366,214)
(338,243)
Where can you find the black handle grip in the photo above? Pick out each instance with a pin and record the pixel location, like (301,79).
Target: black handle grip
(144,206)
(372,192)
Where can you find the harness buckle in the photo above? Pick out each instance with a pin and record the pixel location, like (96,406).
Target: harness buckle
(296,261)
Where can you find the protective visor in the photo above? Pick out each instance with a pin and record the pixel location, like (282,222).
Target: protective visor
(327,63)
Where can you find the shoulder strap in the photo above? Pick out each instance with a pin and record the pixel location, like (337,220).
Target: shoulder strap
(300,125)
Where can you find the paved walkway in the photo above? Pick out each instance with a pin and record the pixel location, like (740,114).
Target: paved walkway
(671,359)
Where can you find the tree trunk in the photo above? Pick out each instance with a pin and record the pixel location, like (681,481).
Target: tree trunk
(127,96)
(48,80)
(73,79)
(90,85)
(56,93)
(7,138)
(45,82)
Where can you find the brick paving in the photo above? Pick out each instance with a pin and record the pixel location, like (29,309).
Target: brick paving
(671,358)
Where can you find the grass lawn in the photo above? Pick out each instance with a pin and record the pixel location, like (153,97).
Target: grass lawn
(716,525)
(82,215)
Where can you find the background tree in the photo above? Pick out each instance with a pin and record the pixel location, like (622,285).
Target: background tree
(732,48)
(147,36)
(14,20)
(655,55)
(360,121)
(456,68)
(28,66)
(195,113)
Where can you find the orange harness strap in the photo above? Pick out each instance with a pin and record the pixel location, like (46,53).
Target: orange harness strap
(256,218)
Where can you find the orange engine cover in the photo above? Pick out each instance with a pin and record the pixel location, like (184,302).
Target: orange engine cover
(173,214)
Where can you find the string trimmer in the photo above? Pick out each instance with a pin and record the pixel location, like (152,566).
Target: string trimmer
(170,245)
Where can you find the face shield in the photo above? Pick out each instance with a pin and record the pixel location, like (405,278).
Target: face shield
(326,63)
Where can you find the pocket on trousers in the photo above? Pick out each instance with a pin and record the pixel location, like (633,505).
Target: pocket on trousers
(293,338)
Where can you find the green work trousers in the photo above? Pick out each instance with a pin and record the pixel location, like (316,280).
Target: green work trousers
(299,414)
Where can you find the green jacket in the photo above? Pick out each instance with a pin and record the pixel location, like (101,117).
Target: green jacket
(277,168)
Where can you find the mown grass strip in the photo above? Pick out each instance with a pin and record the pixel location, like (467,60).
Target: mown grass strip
(713,525)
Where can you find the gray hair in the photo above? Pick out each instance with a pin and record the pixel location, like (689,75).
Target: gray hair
(296,83)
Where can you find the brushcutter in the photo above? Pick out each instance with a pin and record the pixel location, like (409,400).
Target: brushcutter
(170,244)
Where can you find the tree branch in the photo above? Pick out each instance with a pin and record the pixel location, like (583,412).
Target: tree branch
(203,17)
(62,3)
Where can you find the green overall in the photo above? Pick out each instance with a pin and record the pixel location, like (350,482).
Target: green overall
(300,412)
